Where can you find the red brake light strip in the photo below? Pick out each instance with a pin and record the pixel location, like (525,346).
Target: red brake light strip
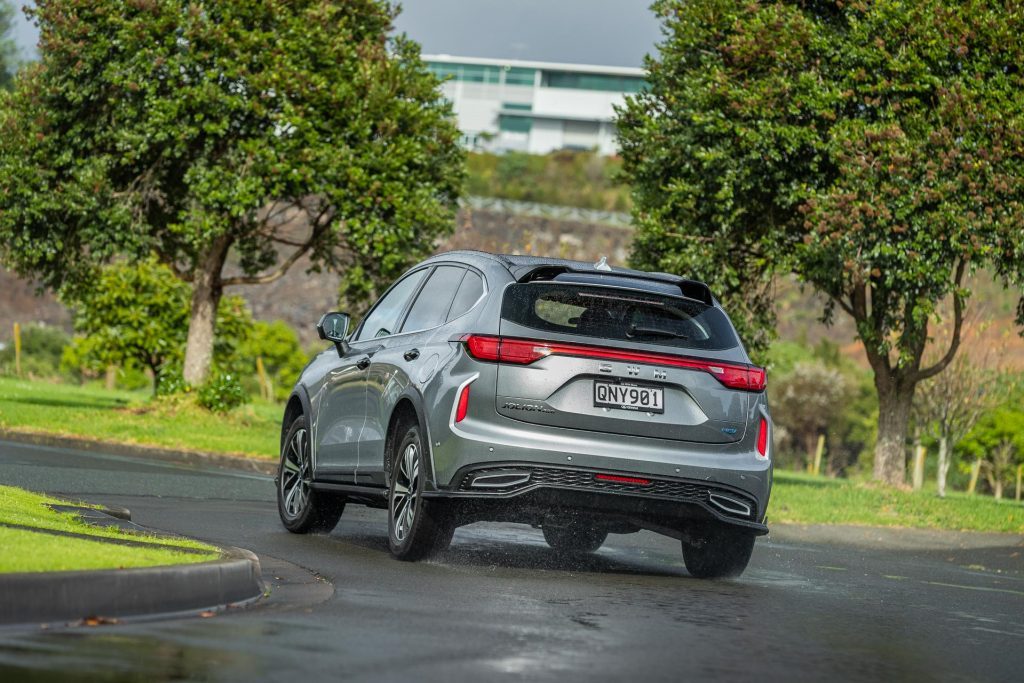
(526,351)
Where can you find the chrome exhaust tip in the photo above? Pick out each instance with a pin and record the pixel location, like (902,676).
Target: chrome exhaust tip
(499,480)
(730,505)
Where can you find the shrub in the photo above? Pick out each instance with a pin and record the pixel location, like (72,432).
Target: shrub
(41,349)
(221,392)
(283,358)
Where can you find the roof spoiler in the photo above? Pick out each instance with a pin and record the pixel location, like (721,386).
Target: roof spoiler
(690,289)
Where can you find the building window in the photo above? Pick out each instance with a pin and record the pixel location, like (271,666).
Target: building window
(516,75)
(517,106)
(475,73)
(581,81)
(510,123)
(471,73)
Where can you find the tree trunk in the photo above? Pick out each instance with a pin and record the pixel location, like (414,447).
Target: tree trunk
(943,465)
(206,293)
(894,401)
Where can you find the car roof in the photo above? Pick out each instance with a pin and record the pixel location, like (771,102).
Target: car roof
(532,268)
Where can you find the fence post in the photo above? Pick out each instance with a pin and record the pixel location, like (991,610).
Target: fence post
(818,452)
(919,457)
(975,471)
(1020,476)
(17,349)
(262,374)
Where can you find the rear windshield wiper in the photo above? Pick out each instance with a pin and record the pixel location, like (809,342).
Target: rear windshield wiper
(642,331)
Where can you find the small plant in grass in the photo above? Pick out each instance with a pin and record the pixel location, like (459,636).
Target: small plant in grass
(221,393)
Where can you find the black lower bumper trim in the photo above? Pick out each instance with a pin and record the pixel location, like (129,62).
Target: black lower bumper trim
(661,502)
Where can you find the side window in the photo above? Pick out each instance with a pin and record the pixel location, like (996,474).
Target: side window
(383,319)
(435,299)
(470,291)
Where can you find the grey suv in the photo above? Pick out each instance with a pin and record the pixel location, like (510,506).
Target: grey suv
(575,397)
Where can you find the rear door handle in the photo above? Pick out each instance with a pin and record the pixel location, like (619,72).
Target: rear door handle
(412,354)
(363,363)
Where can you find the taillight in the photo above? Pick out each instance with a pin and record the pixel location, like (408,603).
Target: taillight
(762,438)
(463,406)
(526,351)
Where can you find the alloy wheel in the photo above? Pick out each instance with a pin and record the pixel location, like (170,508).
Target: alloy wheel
(295,476)
(405,494)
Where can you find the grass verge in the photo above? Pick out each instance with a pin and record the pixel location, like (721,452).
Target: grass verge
(253,430)
(25,550)
(804,499)
(131,417)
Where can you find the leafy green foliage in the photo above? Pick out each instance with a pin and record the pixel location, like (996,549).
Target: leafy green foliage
(41,348)
(875,149)
(816,391)
(131,314)
(565,178)
(136,316)
(274,129)
(283,358)
(997,439)
(8,48)
(221,392)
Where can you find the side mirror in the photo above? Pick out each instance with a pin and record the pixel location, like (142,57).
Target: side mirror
(334,327)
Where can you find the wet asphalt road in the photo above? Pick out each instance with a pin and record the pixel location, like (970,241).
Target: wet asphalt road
(499,603)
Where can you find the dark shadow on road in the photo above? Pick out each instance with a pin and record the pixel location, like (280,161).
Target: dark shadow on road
(473,551)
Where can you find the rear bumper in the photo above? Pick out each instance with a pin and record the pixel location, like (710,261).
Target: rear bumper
(496,442)
(528,493)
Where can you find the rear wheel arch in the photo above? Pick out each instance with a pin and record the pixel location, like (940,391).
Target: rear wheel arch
(408,410)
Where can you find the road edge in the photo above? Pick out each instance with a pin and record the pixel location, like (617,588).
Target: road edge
(266,466)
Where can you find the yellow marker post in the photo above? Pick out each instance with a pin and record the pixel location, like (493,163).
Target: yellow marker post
(262,374)
(1020,479)
(17,349)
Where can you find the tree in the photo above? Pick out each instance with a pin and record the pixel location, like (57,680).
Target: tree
(231,139)
(997,441)
(278,346)
(873,149)
(807,400)
(136,315)
(950,404)
(8,48)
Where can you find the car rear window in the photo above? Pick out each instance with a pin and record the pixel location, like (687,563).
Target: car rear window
(618,314)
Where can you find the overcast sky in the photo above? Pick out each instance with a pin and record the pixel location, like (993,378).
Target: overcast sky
(605,32)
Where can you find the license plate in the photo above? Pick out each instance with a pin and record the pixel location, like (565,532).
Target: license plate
(629,397)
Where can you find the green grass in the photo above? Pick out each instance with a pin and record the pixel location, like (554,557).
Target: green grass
(36,551)
(131,417)
(804,499)
(253,430)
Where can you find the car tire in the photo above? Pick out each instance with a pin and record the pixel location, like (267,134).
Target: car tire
(574,539)
(302,509)
(417,527)
(721,552)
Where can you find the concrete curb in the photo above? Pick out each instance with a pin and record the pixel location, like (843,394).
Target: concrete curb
(193,458)
(73,596)
(46,597)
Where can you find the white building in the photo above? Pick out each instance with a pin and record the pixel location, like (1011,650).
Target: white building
(535,107)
